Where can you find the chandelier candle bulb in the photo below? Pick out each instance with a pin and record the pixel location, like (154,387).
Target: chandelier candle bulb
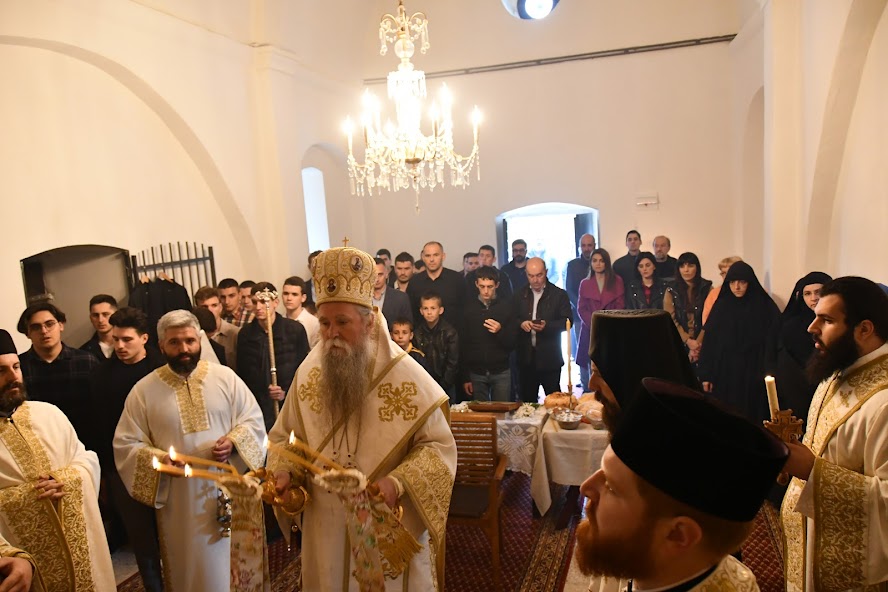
(348,127)
(771,386)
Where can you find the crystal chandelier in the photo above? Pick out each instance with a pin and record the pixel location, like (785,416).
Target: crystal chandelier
(399,155)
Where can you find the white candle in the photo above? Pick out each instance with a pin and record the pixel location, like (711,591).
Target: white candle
(771,385)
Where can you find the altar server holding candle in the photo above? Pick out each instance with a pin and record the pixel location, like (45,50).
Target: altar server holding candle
(202,410)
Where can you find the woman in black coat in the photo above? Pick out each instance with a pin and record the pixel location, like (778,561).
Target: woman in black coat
(740,346)
(796,345)
(647,289)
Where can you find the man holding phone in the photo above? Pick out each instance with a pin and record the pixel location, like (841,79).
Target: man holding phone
(542,310)
(487,338)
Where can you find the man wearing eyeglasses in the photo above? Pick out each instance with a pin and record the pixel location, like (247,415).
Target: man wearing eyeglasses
(54,372)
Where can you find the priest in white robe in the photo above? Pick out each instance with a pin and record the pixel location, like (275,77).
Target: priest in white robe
(48,489)
(364,403)
(201,409)
(835,512)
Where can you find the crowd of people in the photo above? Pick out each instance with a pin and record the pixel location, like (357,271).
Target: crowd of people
(244,361)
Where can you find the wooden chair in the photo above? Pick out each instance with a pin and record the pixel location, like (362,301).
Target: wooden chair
(479,471)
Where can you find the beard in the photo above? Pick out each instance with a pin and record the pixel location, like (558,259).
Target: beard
(11,396)
(626,557)
(344,378)
(183,363)
(838,356)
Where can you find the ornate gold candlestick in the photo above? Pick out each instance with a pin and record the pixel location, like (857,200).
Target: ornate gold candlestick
(788,428)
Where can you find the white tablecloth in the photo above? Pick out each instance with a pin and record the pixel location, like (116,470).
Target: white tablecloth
(567,457)
(519,439)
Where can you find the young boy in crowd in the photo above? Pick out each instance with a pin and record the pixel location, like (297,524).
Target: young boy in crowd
(438,340)
(402,334)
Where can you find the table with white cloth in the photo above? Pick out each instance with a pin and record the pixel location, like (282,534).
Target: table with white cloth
(518,438)
(566,457)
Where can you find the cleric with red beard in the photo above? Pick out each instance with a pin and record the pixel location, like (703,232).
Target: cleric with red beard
(676,494)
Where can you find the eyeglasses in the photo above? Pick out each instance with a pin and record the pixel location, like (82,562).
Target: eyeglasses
(48,326)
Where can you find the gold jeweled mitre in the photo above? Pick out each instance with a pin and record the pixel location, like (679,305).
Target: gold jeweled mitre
(344,274)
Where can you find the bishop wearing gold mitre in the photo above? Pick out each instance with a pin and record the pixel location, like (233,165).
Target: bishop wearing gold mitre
(364,403)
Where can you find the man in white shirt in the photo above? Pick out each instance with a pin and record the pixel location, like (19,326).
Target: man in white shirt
(293,296)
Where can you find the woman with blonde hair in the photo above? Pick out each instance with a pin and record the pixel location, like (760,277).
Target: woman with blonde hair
(723,267)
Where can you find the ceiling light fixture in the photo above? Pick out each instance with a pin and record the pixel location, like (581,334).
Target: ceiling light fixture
(398,154)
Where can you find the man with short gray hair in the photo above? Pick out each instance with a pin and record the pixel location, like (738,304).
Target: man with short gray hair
(667,267)
(201,409)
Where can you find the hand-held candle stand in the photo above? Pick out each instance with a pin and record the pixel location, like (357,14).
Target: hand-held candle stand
(783,423)
(267,296)
(569,383)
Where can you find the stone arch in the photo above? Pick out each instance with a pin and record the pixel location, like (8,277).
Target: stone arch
(860,28)
(178,127)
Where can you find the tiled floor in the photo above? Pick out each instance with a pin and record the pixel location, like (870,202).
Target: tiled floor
(124,565)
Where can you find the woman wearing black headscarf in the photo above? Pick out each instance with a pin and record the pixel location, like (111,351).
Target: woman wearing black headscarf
(796,345)
(740,347)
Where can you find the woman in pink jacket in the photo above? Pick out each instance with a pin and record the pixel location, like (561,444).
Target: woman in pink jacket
(603,290)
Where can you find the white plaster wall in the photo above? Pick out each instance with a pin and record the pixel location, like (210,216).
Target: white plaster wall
(597,133)
(860,215)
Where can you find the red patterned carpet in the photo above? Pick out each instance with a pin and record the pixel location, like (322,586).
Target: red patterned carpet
(535,556)
(763,550)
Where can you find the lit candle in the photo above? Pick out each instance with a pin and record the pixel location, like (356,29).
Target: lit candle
(211,475)
(771,385)
(162,468)
(569,383)
(196,460)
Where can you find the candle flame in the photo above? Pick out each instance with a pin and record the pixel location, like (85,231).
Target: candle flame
(155,464)
(172,453)
(188,470)
(292,437)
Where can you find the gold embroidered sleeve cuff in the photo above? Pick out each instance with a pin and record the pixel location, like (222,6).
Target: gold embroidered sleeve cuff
(248,448)
(147,480)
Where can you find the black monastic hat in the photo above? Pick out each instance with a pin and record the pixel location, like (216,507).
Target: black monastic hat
(690,447)
(628,345)
(7,345)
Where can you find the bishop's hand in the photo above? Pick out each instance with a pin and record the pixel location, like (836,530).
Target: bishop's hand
(388,490)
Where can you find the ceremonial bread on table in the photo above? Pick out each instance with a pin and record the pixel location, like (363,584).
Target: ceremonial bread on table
(559,400)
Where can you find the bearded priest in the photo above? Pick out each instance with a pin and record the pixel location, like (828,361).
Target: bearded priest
(835,511)
(202,409)
(362,402)
(48,490)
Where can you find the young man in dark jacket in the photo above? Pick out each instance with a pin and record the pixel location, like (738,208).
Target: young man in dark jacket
(486,340)
(254,365)
(438,340)
(542,311)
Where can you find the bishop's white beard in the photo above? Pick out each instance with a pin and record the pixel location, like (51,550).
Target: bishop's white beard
(344,376)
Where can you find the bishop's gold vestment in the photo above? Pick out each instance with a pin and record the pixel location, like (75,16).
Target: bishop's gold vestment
(404,432)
